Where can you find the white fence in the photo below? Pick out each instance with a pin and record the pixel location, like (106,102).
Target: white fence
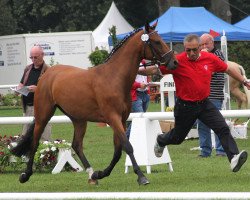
(148,115)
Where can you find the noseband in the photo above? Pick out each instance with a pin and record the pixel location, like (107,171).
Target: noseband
(166,56)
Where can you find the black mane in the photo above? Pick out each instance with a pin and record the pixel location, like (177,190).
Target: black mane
(121,43)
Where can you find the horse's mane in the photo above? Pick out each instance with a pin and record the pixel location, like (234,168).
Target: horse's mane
(121,43)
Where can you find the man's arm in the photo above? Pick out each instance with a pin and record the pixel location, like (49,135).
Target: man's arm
(231,71)
(149,70)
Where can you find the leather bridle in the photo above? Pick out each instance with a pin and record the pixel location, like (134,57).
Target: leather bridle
(164,59)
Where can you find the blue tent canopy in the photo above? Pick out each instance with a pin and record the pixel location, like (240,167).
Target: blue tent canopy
(177,22)
(244,23)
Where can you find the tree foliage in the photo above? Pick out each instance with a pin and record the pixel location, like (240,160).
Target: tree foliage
(77,15)
(7,21)
(239,52)
(23,16)
(58,15)
(240,9)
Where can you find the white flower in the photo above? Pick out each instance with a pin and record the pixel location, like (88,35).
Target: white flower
(46,142)
(56,142)
(42,151)
(47,149)
(41,156)
(13,144)
(53,148)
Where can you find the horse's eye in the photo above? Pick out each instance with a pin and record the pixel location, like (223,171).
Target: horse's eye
(158,43)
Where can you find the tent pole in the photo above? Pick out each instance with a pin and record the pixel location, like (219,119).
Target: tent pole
(227,104)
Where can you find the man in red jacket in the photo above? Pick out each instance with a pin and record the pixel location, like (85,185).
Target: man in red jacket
(192,80)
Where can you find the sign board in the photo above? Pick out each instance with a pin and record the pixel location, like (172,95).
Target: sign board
(167,83)
(12,59)
(71,48)
(68,48)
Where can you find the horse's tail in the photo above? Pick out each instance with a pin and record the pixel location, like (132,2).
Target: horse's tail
(24,144)
(247,92)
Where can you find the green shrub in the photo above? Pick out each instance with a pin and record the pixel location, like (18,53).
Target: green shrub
(98,56)
(11,100)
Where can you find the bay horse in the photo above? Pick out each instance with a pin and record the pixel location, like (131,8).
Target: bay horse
(242,99)
(99,94)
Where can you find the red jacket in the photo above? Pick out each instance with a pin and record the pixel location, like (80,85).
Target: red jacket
(192,78)
(133,90)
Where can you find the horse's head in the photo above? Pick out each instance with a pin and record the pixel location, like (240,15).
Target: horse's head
(156,49)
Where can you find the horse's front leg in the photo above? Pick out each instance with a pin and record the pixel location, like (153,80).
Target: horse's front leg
(121,142)
(142,180)
(77,145)
(116,157)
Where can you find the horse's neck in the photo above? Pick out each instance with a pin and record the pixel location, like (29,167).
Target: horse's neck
(125,62)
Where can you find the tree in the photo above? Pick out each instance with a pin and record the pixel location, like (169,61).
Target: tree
(221,9)
(238,52)
(138,12)
(240,9)
(164,5)
(7,21)
(112,33)
(58,15)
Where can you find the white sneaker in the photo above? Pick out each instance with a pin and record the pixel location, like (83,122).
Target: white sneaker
(158,149)
(238,160)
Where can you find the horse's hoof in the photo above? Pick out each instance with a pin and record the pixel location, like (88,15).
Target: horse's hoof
(23,178)
(93,182)
(96,175)
(142,180)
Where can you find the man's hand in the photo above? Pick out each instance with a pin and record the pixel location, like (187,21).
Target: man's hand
(32,88)
(206,50)
(143,86)
(247,84)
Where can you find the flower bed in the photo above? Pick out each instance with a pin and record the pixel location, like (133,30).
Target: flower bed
(45,157)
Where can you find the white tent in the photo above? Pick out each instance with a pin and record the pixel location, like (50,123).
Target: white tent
(112,18)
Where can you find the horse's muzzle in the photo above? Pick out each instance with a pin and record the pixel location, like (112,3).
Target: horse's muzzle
(169,60)
(172,64)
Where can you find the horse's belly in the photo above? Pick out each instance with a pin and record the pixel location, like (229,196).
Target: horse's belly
(80,109)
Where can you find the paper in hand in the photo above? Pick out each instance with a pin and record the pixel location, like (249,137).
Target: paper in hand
(24,90)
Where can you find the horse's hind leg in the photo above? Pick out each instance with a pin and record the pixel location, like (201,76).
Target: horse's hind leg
(34,145)
(41,120)
(77,145)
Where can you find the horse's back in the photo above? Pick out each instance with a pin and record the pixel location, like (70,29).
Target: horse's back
(61,73)
(63,70)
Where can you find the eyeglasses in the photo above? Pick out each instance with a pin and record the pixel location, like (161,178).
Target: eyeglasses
(34,57)
(194,50)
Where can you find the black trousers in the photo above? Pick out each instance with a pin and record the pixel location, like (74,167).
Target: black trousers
(186,113)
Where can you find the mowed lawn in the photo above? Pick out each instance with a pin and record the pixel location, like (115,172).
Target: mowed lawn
(191,174)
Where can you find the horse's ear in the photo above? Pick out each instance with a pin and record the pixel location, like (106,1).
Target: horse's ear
(147,27)
(154,25)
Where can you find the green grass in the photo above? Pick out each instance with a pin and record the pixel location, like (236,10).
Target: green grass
(191,174)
